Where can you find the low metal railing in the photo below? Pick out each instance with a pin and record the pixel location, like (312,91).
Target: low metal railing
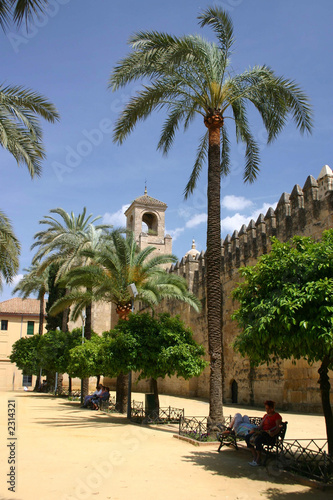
(307,457)
(158,416)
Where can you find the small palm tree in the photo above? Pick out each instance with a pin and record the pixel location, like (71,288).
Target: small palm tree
(20,132)
(116,265)
(9,251)
(188,77)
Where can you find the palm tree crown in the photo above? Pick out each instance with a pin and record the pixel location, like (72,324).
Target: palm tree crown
(189,76)
(20,131)
(115,265)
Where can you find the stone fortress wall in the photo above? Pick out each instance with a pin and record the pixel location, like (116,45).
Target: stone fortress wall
(306,211)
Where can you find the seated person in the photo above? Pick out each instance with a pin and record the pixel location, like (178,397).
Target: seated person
(104,396)
(88,398)
(240,425)
(268,429)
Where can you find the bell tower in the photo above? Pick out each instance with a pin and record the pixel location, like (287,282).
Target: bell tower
(146,218)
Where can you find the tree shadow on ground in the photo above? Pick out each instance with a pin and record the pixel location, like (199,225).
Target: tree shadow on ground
(232,464)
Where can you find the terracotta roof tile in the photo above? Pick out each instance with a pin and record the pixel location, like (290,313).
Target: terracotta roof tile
(20,306)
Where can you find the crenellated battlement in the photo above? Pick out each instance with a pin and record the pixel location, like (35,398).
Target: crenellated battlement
(305,211)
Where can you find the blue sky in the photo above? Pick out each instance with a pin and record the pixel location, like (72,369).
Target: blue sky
(68,56)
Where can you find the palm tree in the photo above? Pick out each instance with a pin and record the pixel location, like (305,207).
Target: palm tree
(62,242)
(19,10)
(34,282)
(111,269)
(9,251)
(115,265)
(20,132)
(188,77)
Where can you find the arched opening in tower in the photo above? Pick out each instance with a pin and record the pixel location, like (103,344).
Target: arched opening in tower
(149,223)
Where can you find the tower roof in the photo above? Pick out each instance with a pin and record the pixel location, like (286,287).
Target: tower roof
(147,200)
(193,252)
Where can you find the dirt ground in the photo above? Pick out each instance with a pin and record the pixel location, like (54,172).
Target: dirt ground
(63,452)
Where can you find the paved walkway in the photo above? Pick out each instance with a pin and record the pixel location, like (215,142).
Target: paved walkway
(65,453)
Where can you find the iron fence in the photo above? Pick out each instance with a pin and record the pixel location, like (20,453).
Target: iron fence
(307,457)
(166,415)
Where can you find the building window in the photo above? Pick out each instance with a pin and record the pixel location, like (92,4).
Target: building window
(30,330)
(4,324)
(27,380)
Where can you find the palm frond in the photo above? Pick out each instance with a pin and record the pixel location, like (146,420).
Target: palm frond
(201,156)
(222,25)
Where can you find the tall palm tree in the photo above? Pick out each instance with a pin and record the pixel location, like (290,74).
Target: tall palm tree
(111,269)
(20,131)
(188,77)
(9,251)
(62,242)
(34,282)
(17,10)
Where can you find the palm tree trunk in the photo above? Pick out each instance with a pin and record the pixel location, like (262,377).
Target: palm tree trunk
(325,399)
(40,331)
(87,335)
(213,266)
(155,391)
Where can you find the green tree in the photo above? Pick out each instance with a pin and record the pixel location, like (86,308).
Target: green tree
(286,309)
(54,349)
(24,355)
(19,10)
(154,347)
(188,76)
(9,251)
(87,359)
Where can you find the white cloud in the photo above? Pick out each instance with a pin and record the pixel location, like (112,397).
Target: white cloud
(232,202)
(174,233)
(230,224)
(196,220)
(117,219)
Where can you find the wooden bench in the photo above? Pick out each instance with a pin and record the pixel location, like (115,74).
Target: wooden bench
(232,438)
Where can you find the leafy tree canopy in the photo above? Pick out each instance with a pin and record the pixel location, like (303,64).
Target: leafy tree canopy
(286,302)
(286,309)
(24,355)
(87,359)
(155,347)
(54,347)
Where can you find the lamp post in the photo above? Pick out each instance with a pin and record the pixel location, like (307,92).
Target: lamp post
(83,317)
(133,293)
